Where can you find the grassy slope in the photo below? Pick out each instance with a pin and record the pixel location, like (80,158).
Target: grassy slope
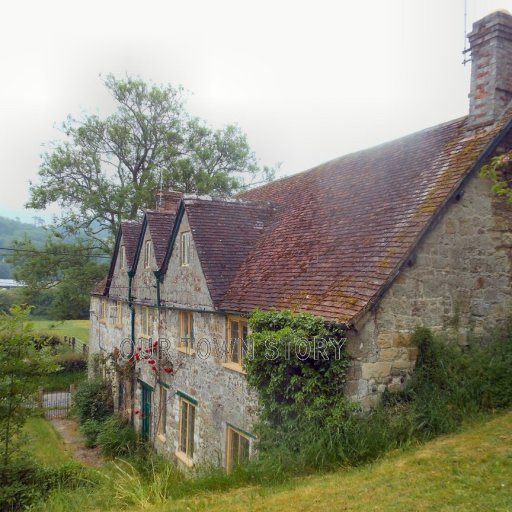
(77,328)
(44,443)
(468,471)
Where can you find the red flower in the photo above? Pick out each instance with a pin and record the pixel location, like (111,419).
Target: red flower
(155,344)
(142,415)
(147,350)
(152,361)
(137,411)
(168,370)
(153,368)
(137,357)
(139,348)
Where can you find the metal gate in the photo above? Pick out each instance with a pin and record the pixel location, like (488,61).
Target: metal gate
(55,404)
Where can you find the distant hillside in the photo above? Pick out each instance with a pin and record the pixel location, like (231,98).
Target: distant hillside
(11,229)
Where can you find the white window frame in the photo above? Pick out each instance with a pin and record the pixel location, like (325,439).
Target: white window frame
(148,250)
(185,248)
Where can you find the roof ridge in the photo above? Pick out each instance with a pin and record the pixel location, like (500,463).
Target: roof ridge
(358,152)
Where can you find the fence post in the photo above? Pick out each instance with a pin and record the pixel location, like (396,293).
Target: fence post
(73,342)
(40,395)
(72,390)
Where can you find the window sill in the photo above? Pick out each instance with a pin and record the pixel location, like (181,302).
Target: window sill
(182,457)
(235,367)
(188,351)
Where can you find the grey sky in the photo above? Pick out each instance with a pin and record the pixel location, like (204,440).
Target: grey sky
(307,81)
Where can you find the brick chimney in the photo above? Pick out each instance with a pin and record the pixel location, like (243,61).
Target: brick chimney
(491,68)
(168,201)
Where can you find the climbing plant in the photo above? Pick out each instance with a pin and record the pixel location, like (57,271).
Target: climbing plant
(298,365)
(499,170)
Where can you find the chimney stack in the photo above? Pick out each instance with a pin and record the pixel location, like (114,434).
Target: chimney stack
(491,68)
(168,201)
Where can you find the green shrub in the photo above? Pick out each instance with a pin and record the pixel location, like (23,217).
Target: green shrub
(90,429)
(306,424)
(25,482)
(71,362)
(117,438)
(93,401)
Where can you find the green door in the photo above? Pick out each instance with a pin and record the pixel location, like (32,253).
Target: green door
(146,411)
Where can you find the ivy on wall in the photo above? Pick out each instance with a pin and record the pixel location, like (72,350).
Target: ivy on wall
(298,366)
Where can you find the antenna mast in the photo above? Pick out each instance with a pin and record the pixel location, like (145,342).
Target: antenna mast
(466,49)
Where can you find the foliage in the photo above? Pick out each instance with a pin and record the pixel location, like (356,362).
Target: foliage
(499,172)
(306,424)
(68,268)
(117,438)
(90,429)
(71,362)
(24,482)
(108,169)
(295,392)
(21,364)
(93,401)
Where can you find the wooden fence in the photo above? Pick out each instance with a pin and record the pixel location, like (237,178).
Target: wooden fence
(76,344)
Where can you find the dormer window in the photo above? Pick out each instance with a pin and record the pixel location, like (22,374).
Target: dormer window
(185,249)
(122,258)
(148,249)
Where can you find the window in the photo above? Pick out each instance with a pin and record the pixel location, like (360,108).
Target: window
(237,450)
(122,258)
(186,330)
(103,311)
(146,321)
(185,249)
(187,423)
(119,314)
(147,253)
(162,424)
(237,339)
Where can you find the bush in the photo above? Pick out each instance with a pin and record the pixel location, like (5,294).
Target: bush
(24,482)
(93,401)
(71,362)
(117,438)
(90,429)
(306,424)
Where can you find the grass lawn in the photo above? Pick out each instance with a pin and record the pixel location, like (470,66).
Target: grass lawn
(467,471)
(77,328)
(44,443)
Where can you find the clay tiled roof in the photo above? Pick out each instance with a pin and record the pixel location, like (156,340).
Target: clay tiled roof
(224,233)
(131,233)
(100,288)
(347,226)
(160,228)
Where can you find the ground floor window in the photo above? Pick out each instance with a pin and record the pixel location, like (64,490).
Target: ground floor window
(187,425)
(238,445)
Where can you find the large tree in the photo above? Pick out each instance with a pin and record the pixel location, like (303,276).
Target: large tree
(108,169)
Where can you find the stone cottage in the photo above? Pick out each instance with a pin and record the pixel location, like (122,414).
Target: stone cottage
(379,241)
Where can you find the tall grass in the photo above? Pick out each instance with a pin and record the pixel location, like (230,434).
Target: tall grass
(448,388)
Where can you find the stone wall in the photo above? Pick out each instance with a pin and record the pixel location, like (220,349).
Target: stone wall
(460,283)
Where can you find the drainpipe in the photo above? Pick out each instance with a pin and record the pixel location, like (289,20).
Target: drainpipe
(132,338)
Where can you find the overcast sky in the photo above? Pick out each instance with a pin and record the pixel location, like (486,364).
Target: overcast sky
(307,81)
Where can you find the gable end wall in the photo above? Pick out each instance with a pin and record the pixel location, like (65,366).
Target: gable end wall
(460,283)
